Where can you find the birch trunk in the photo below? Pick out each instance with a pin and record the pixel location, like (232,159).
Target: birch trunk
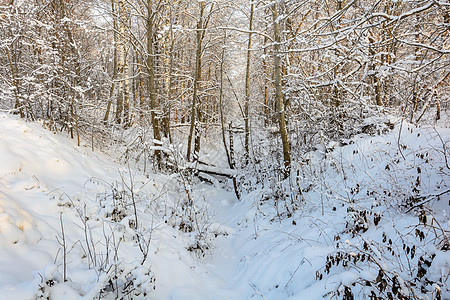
(123,102)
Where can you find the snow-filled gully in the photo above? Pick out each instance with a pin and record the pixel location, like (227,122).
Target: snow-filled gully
(49,186)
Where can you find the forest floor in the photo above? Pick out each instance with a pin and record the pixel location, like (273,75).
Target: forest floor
(78,224)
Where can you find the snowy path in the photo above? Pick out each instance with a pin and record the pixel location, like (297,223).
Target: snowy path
(34,196)
(223,263)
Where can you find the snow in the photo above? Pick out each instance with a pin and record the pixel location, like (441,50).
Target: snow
(49,187)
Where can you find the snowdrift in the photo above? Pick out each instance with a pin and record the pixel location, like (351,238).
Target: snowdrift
(368,220)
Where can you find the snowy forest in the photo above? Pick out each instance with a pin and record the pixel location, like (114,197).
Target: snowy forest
(224,149)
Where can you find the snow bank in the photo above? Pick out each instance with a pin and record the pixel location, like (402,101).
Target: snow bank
(354,201)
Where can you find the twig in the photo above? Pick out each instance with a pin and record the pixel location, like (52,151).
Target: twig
(399,136)
(427,199)
(444,149)
(293,274)
(63,244)
(253,286)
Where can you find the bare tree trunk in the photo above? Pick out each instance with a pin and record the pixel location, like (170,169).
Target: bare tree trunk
(198,70)
(169,61)
(120,62)
(126,73)
(266,87)
(140,88)
(247,86)
(123,101)
(279,93)
(70,53)
(374,79)
(115,63)
(15,81)
(151,79)
(222,119)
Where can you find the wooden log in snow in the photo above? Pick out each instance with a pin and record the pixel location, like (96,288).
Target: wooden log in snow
(212,170)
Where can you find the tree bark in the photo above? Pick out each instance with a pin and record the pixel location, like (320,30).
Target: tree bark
(222,118)
(247,86)
(198,70)
(15,82)
(279,93)
(151,79)
(123,101)
(266,87)
(115,63)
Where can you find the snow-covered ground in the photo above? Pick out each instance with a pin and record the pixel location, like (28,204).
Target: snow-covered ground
(74,224)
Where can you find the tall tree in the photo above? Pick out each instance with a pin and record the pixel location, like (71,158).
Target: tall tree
(279,100)
(151,77)
(200,34)
(123,101)
(115,63)
(247,83)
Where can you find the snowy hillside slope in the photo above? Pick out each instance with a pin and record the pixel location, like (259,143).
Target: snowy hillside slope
(368,220)
(51,190)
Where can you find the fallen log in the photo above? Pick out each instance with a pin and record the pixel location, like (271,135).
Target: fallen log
(211,170)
